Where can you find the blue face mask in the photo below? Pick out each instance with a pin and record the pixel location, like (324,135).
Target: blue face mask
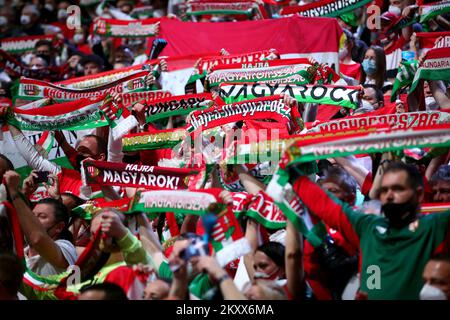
(369,66)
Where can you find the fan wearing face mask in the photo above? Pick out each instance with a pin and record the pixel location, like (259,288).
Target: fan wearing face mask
(29,20)
(436,276)
(374,68)
(399,243)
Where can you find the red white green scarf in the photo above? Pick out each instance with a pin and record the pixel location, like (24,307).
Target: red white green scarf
(176,105)
(404,77)
(430,40)
(45,143)
(434,207)
(160,139)
(73,115)
(30,89)
(125,28)
(436,66)
(194,202)
(345,96)
(298,71)
(99,79)
(16,69)
(262,108)
(325,8)
(432,10)
(19,45)
(395,121)
(224,7)
(103,173)
(228,239)
(252,57)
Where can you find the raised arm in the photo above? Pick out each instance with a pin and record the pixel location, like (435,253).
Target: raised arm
(34,232)
(294,261)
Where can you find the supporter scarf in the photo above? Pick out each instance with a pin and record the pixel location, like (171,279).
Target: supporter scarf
(224,7)
(125,28)
(176,106)
(299,71)
(102,173)
(101,78)
(30,89)
(436,66)
(208,62)
(73,115)
(228,239)
(45,143)
(87,210)
(426,208)
(46,286)
(178,201)
(394,121)
(263,108)
(257,152)
(344,96)
(160,139)
(325,8)
(381,140)
(141,13)
(431,10)
(430,40)
(404,77)
(263,210)
(129,98)
(20,45)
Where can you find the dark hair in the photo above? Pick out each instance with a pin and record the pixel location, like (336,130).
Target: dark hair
(380,61)
(11,272)
(442,174)
(378,92)
(415,179)
(61,214)
(275,251)
(102,145)
(341,177)
(9,164)
(112,291)
(43,43)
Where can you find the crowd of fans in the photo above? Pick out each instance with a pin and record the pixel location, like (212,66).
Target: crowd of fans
(377,241)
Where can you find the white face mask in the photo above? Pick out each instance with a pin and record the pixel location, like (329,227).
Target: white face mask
(78,38)
(430,292)
(343,53)
(24,19)
(62,14)
(395,10)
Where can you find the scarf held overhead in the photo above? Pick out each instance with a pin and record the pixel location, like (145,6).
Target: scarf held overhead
(102,173)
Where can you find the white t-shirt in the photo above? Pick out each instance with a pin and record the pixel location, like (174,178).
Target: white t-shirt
(40,266)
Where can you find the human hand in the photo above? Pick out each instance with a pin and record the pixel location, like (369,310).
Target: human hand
(29,186)
(112,226)
(12,182)
(53,188)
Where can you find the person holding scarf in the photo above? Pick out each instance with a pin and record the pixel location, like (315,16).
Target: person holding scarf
(396,246)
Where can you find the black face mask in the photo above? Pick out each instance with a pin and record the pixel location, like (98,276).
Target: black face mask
(399,214)
(78,160)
